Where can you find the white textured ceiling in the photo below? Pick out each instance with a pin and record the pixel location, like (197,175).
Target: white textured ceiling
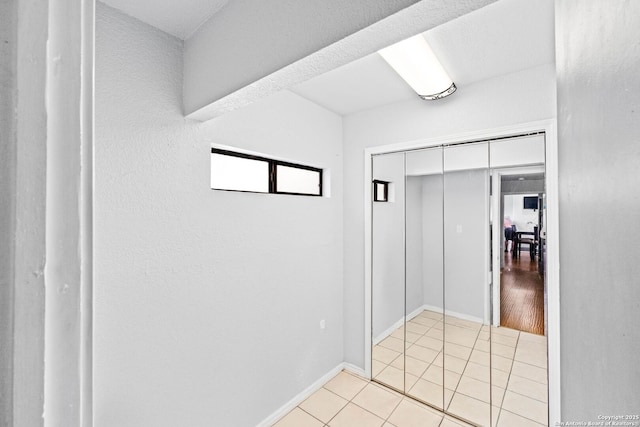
(501,38)
(178,17)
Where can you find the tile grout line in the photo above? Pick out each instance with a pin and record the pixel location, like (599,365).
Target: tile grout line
(424,334)
(513,360)
(336,394)
(392,411)
(524,395)
(383,419)
(508,378)
(350,400)
(308,413)
(465,368)
(522,416)
(429,328)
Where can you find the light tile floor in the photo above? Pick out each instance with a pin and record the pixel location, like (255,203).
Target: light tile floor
(515,386)
(350,401)
(507,372)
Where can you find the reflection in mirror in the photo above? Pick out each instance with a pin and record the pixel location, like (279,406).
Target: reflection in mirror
(380,191)
(424,374)
(467,305)
(388,273)
(518,338)
(458,315)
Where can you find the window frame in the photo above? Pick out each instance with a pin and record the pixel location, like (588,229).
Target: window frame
(375,191)
(273,174)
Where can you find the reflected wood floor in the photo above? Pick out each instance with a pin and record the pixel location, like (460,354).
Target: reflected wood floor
(521,295)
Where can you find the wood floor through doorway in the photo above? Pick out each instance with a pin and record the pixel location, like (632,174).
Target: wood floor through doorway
(521,295)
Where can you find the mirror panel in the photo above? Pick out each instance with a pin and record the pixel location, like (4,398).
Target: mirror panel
(518,332)
(424,376)
(466,292)
(388,273)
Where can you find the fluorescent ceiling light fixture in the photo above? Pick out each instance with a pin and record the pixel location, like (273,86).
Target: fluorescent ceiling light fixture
(416,63)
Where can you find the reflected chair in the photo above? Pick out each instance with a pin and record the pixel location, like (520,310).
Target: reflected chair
(532,242)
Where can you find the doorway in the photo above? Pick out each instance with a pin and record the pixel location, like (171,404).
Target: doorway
(519,249)
(522,272)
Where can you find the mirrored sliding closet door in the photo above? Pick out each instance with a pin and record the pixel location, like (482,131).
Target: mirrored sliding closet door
(458,289)
(467,303)
(424,373)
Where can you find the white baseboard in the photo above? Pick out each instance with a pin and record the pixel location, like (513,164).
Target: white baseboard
(416,312)
(356,370)
(388,331)
(453,313)
(300,397)
(433,308)
(391,329)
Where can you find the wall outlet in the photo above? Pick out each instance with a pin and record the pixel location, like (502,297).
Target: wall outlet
(459,228)
(323,324)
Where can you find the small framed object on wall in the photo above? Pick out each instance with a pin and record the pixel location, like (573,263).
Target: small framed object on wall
(380,191)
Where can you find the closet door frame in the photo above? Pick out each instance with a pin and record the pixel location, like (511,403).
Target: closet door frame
(553,256)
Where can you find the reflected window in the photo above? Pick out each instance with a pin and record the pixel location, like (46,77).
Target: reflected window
(380,191)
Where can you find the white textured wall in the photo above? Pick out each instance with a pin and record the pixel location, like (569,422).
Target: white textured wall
(27,160)
(524,219)
(69,203)
(598,57)
(207,304)
(7,206)
(520,97)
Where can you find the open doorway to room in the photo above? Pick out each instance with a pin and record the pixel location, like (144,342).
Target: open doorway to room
(522,300)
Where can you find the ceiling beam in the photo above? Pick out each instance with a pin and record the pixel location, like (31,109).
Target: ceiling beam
(253,48)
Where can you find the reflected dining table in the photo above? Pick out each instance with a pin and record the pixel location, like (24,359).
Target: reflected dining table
(530,241)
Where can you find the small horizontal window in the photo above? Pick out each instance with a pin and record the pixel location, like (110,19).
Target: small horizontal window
(292,179)
(233,171)
(239,173)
